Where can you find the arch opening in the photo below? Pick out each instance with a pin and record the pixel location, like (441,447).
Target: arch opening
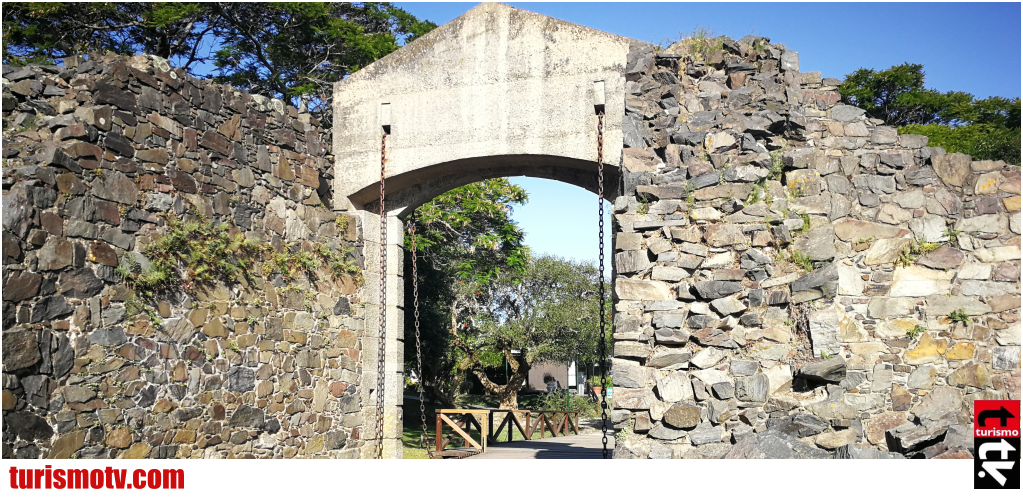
(407,191)
(574,372)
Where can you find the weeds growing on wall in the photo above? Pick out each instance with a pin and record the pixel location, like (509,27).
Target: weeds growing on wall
(700,43)
(801,260)
(959,316)
(915,332)
(777,166)
(201,253)
(914,251)
(190,254)
(759,191)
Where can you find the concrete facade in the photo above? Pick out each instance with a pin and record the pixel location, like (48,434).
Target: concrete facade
(496,92)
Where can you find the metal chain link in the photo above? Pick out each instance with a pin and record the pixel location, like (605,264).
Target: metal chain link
(419,346)
(600,265)
(381,345)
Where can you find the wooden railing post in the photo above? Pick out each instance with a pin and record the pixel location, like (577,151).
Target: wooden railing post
(440,430)
(490,435)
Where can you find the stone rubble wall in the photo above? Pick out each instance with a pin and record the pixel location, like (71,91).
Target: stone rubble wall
(97,154)
(726,348)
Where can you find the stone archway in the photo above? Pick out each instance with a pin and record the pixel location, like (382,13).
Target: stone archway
(496,92)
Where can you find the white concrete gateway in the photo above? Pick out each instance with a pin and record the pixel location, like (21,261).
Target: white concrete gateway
(496,92)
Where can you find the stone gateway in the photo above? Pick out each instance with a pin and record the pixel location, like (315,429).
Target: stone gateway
(792,278)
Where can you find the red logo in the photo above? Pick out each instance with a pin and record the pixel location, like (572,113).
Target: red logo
(996,444)
(996,419)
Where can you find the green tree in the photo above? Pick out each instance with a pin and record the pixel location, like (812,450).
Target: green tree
(38,32)
(897,96)
(987,129)
(980,141)
(548,313)
(466,239)
(298,50)
(291,50)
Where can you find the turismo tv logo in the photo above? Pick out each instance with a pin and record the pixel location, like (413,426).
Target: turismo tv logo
(996,445)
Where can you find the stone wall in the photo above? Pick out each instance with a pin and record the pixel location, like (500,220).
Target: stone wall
(792,279)
(98,156)
(730,343)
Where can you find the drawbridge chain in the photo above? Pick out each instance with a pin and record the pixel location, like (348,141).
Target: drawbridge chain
(419,348)
(381,345)
(600,277)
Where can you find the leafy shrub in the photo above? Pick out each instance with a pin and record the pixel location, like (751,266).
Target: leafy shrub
(915,332)
(201,253)
(556,400)
(191,254)
(914,251)
(959,316)
(981,141)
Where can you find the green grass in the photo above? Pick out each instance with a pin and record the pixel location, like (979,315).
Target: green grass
(412,430)
(802,260)
(701,43)
(777,165)
(953,236)
(806,222)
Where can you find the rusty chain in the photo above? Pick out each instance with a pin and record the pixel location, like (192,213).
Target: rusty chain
(600,265)
(381,345)
(419,347)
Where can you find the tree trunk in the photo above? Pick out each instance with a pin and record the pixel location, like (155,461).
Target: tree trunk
(509,399)
(508,393)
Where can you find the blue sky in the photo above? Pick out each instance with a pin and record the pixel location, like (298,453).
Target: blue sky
(971,47)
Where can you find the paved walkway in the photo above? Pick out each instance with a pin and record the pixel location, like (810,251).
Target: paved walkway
(572,447)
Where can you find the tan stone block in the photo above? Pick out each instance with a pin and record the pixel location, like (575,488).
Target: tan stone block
(971,374)
(179,373)
(296,336)
(215,328)
(137,451)
(9,400)
(67,444)
(926,351)
(867,347)
(264,388)
(184,436)
(219,308)
(962,350)
(988,183)
(164,406)
(874,428)
(1012,204)
(901,398)
(119,438)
